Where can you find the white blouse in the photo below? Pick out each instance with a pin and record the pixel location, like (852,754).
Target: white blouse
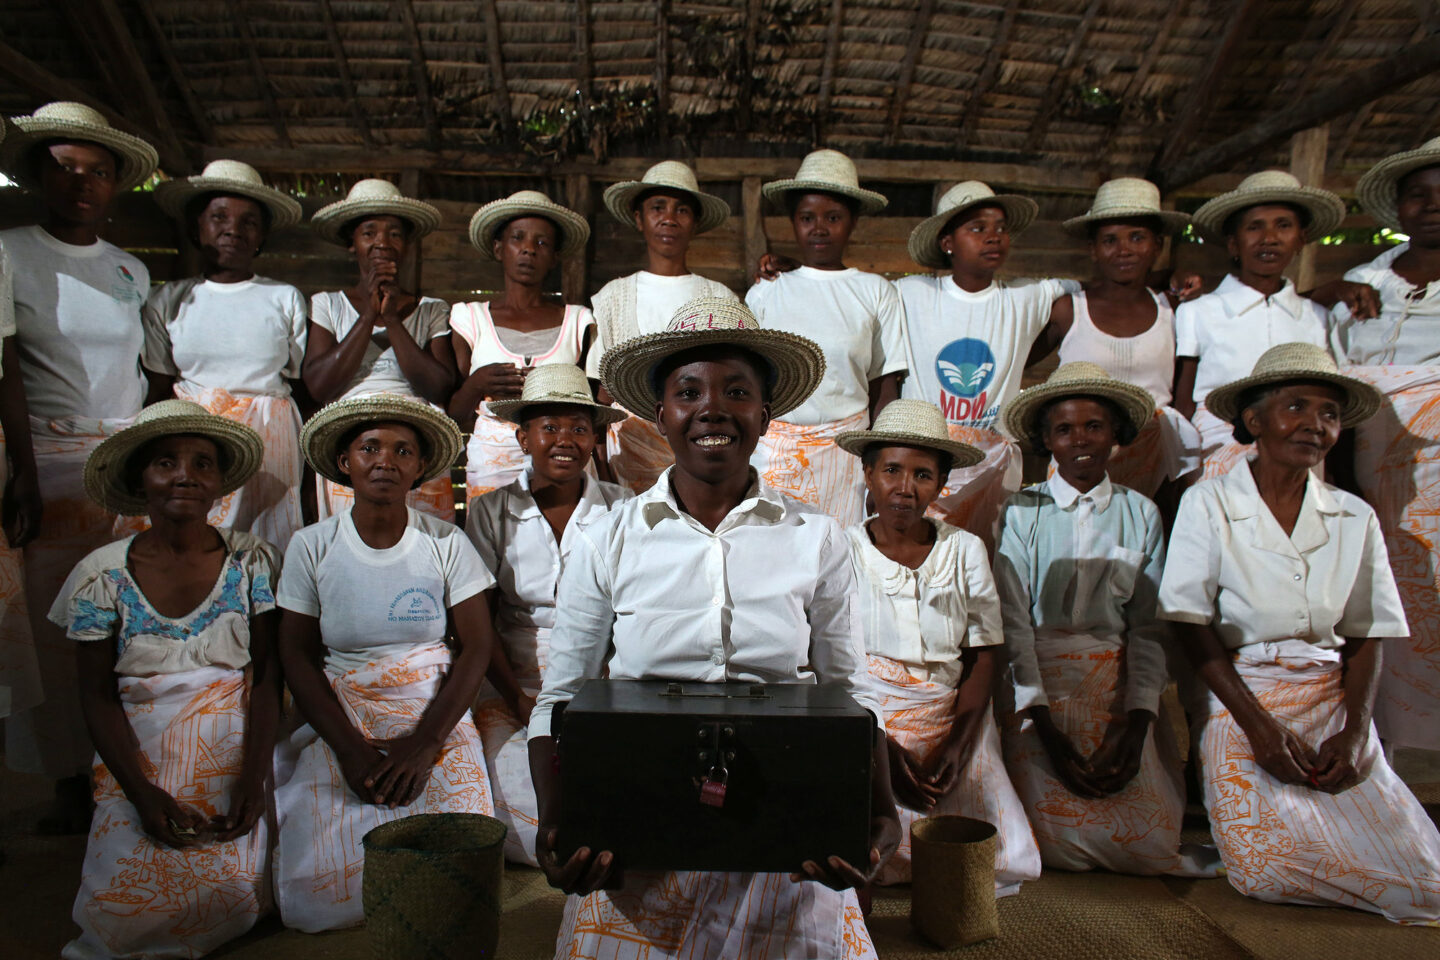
(1407,332)
(1146,359)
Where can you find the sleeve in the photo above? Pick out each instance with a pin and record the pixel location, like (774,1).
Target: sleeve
(1013,577)
(890,346)
(262,569)
(482,527)
(87,606)
(1191,580)
(1373,608)
(584,321)
(299,318)
(157,353)
(602,306)
(837,646)
(1318,328)
(462,324)
(1340,323)
(320,313)
(7,296)
(299,590)
(1147,637)
(756,296)
(984,620)
(434,321)
(1061,287)
(1187,336)
(584,626)
(465,574)
(718,289)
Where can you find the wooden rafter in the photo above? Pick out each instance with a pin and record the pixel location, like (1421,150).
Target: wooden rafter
(749,40)
(1321,60)
(257,69)
(420,72)
(1056,91)
(919,27)
(974,103)
(347,82)
(1341,145)
(196,109)
(662,69)
(496,58)
(827,66)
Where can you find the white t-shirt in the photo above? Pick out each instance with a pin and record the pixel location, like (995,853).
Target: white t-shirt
(379,371)
(857,320)
(77,325)
(245,338)
(1407,332)
(642,303)
(970,348)
(371,603)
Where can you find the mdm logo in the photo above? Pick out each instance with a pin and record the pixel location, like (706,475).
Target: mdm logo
(965,369)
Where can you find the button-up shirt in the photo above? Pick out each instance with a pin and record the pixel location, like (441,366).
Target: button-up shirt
(1407,332)
(651,593)
(1072,563)
(1232,565)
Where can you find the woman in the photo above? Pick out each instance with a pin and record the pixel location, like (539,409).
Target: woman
(180,683)
(76,349)
(1281,591)
(525,532)
(499,342)
(232,341)
(377,337)
(366,597)
(931,617)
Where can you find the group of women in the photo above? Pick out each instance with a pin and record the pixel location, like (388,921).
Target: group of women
(820,483)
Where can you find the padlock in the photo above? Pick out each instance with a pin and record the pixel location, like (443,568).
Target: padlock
(713,787)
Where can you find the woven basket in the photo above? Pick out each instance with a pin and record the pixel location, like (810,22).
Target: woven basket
(952,889)
(432,886)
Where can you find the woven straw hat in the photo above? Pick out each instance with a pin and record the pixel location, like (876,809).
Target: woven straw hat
(1078,378)
(574,231)
(105,468)
(555,384)
(1377,188)
(1290,362)
(321,437)
(924,243)
(1124,198)
(670,175)
(628,368)
(911,423)
(63,120)
(373,198)
(232,177)
(1273,186)
(826,171)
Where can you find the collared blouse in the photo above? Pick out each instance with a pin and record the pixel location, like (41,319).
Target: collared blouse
(1407,332)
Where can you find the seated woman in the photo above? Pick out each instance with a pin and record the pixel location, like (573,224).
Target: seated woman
(1281,591)
(366,598)
(525,532)
(931,619)
(180,687)
(1078,567)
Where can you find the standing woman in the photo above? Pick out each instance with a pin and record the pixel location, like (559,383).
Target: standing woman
(232,341)
(499,342)
(76,352)
(377,337)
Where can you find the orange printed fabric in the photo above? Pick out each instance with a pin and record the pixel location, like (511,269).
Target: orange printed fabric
(972,496)
(507,762)
(918,715)
(637,453)
(1218,450)
(805,463)
(1135,831)
(19,670)
(435,497)
(1371,847)
(139,898)
(319,860)
(714,916)
(492,457)
(1397,461)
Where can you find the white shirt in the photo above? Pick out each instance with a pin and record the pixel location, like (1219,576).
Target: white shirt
(1229,328)
(77,325)
(244,338)
(924,617)
(1406,333)
(1231,565)
(515,542)
(379,371)
(641,303)
(650,593)
(1146,359)
(1072,563)
(371,603)
(970,348)
(857,320)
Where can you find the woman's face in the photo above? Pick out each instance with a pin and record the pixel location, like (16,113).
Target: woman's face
(182,477)
(383,462)
(559,442)
(528,248)
(1266,239)
(1125,253)
(380,239)
(712,412)
(1296,425)
(1080,434)
(903,482)
(822,227)
(77,181)
(667,220)
(978,240)
(230,231)
(1418,206)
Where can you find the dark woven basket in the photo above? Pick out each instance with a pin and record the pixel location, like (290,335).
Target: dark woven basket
(432,886)
(952,887)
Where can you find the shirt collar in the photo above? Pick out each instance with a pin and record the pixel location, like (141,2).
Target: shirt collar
(1241,298)
(522,506)
(1065,496)
(1243,501)
(761,499)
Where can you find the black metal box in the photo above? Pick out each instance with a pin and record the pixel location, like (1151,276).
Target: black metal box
(795,758)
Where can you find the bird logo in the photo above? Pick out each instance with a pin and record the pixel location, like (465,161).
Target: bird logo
(965,367)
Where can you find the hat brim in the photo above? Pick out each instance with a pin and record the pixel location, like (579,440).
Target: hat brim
(924,242)
(620,200)
(961,454)
(1361,399)
(511,411)
(331,219)
(574,231)
(1326,210)
(1378,188)
(173,195)
(137,159)
(104,475)
(798,363)
(320,439)
(1022,415)
(870,201)
(1172,221)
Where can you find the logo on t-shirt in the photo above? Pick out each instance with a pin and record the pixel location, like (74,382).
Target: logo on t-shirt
(415,605)
(124,274)
(965,369)
(126,291)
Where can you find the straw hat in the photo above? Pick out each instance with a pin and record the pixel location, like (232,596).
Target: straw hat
(322,435)
(911,423)
(1287,363)
(232,177)
(555,384)
(1078,378)
(1125,198)
(76,122)
(668,175)
(574,231)
(1273,186)
(105,469)
(924,244)
(1377,188)
(826,171)
(373,198)
(628,368)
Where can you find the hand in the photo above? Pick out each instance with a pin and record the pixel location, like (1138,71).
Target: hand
(382,293)
(1361,298)
(580,874)
(1117,760)
(1337,766)
(771,265)
(522,707)
(247,806)
(1280,752)
(21,509)
(907,780)
(399,778)
(943,767)
(165,821)
(499,381)
(1186,287)
(356,768)
(1072,769)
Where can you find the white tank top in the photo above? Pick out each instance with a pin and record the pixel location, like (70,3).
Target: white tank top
(1146,359)
(472,321)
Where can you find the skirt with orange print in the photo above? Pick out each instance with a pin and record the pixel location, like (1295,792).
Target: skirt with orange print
(973,496)
(637,453)
(804,462)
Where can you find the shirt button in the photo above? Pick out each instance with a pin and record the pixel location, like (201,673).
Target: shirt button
(714,601)
(1296,577)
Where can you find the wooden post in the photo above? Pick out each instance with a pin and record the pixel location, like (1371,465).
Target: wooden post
(752,210)
(575,271)
(410,265)
(1307,163)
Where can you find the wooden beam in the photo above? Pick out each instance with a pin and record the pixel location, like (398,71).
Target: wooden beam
(257,70)
(744,93)
(827,67)
(970,114)
(420,73)
(342,66)
(575,270)
(1307,163)
(496,57)
(584,58)
(410,265)
(1343,142)
(662,69)
(1320,61)
(753,217)
(1063,75)
(196,109)
(919,27)
(1346,94)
